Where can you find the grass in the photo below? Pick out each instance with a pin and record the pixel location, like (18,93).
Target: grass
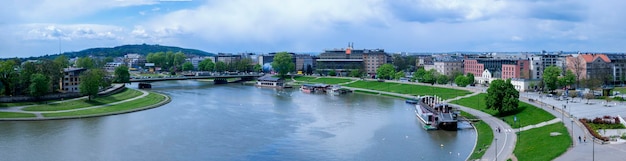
(13,104)
(485,137)
(15,115)
(304,78)
(82,103)
(410,89)
(537,144)
(151,99)
(526,114)
(366,92)
(621,90)
(323,80)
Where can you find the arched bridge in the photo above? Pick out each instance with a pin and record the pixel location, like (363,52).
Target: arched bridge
(219,78)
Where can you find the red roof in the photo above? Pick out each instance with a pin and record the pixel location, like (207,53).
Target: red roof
(591,57)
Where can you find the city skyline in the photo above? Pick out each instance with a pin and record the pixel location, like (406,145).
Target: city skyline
(35,28)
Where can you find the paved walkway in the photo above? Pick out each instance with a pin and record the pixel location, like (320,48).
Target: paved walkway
(39,114)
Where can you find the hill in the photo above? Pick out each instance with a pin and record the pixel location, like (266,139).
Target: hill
(120,51)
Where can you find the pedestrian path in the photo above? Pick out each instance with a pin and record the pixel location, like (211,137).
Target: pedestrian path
(39,114)
(556,120)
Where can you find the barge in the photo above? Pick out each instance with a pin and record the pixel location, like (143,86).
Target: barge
(433,114)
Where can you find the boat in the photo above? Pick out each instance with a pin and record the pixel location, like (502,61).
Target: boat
(337,90)
(306,89)
(411,101)
(436,115)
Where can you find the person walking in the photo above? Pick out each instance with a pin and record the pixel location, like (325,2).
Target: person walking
(585,139)
(578,138)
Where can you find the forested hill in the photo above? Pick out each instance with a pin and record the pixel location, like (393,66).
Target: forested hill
(120,51)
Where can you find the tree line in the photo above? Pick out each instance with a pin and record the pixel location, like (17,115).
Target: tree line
(41,77)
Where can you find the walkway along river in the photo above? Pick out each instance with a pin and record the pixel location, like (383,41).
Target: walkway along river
(235,122)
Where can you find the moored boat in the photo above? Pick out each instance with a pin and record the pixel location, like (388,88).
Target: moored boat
(436,115)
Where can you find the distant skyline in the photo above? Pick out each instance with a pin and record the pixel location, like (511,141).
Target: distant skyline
(40,27)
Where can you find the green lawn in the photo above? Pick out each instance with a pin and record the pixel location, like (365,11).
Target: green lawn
(411,89)
(621,90)
(324,80)
(485,137)
(82,103)
(15,115)
(526,114)
(304,78)
(537,144)
(151,99)
(17,104)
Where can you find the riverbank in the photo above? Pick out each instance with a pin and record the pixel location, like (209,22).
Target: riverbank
(127,101)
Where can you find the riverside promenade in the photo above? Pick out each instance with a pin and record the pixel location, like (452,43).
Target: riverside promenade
(579,108)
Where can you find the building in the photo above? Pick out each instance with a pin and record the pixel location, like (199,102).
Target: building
(618,67)
(110,66)
(524,85)
(134,60)
(591,66)
(521,70)
(448,66)
(196,60)
(71,79)
(373,60)
(344,60)
(228,57)
(472,66)
(422,61)
(302,61)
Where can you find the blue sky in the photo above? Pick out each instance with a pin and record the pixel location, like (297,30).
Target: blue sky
(35,27)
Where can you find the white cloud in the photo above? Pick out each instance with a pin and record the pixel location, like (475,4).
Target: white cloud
(68,32)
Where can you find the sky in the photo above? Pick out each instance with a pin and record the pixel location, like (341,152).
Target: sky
(40,27)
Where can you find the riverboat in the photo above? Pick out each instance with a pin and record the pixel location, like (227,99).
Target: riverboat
(337,90)
(271,82)
(436,115)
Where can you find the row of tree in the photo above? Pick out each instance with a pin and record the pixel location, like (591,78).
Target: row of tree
(169,61)
(243,65)
(34,78)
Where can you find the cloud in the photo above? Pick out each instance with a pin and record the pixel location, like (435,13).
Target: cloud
(426,11)
(75,32)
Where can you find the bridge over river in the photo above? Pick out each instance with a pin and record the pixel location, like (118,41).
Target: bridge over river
(218,78)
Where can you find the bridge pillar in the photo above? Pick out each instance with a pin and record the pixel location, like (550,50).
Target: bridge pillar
(143,85)
(220,81)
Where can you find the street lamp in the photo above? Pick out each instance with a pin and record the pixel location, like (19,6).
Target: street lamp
(563,111)
(573,136)
(496,149)
(593,146)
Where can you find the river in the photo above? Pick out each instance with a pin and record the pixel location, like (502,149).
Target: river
(237,122)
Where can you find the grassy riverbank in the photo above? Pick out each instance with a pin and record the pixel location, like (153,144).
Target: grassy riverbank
(537,144)
(410,89)
(533,144)
(526,114)
(485,137)
(84,102)
(323,80)
(16,115)
(149,100)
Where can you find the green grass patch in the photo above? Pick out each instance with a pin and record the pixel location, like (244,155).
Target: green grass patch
(411,89)
(526,114)
(467,115)
(537,144)
(621,90)
(366,92)
(304,78)
(151,99)
(14,104)
(83,103)
(606,126)
(331,80)
(15,115)
(485,137)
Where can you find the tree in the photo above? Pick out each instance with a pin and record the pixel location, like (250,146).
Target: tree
(502,96)
(257,68)
(589,96)
(39,86)
(385,71)
(187,66)
(283,63)
(356,73)
(577,64)
(90,82)
(85,62)
(62,61)
(573,94)
(430,76)
(419,75)
(220,66)
(332,73)
(461,81)
(568,79)
(8,76)
(442,79)
(399,62)
(550,77)
(121,74)
(398,75)
(470,78)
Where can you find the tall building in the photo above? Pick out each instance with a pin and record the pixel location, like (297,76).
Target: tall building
(448,66)
(373,60)
(71,79)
